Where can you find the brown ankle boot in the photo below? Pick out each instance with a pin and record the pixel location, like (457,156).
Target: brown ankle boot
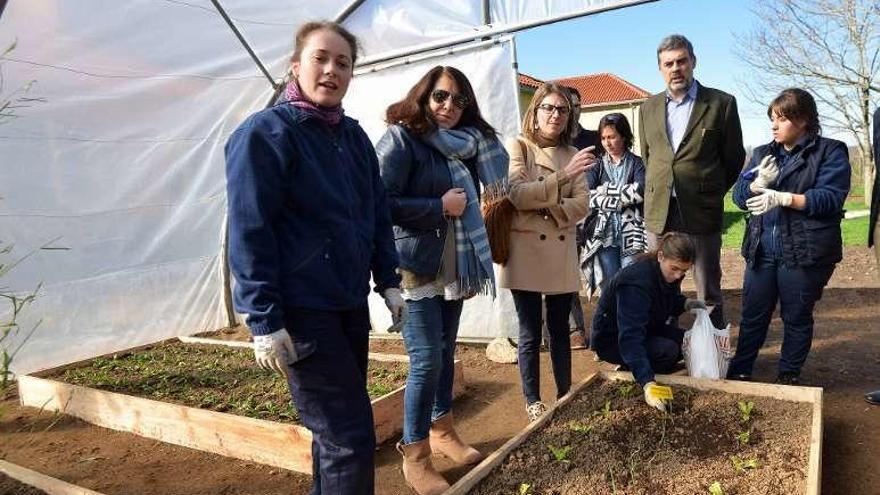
(418,471)
(445,441)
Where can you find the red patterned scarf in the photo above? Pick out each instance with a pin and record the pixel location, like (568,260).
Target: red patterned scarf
(331,116)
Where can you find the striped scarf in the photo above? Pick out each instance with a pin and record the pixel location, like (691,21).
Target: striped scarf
(473,256)
(331,116)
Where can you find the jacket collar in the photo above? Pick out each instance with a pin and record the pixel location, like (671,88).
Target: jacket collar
(701,104)
(801,149)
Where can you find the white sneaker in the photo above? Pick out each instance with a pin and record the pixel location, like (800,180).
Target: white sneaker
(535,410)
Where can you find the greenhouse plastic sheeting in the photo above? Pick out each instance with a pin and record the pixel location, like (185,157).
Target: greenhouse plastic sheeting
(120,160)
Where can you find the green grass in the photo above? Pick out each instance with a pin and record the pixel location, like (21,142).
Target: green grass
(854,231)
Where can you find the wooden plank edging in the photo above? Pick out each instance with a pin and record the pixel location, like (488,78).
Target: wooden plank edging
(277,444)
(50,485)
(811,395)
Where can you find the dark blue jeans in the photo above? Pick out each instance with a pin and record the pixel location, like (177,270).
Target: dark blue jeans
(528,310)
(797,290)
(429,333)
(329,389)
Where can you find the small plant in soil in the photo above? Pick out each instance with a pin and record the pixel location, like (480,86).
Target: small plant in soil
(525,489)
(217,378)
(746,408)
(605,411)
(740,465)
(579,427)
(626,389)
(560,454)
(715,489)
(743,437)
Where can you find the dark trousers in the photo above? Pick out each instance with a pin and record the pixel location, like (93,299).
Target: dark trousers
(797,290)
(328,385)
(664,350)
(528,311)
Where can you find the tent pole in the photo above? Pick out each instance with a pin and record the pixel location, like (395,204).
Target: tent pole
(492,31)
(244,42)
(347,11)
(487,14)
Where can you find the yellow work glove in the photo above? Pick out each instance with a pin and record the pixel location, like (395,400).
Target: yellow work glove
(657,395)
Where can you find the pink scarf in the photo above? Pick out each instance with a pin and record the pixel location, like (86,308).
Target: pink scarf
(331,116)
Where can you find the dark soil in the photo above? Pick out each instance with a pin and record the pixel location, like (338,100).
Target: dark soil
(844,360)
(607,440)
(216,378)
(10,486)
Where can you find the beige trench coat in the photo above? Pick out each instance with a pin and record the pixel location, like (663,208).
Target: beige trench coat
(543,251)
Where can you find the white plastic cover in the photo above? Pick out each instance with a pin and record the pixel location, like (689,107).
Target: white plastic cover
(123,162)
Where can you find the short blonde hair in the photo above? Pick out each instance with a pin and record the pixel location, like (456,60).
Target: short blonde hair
(530,122)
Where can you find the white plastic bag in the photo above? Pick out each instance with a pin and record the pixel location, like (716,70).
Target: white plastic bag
(706,348)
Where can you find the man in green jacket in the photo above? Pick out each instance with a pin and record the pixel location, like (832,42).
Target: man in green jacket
(691,142)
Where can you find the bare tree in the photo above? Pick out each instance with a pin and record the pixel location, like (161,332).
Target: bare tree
(829,47)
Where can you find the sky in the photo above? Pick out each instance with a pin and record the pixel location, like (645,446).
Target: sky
(624,42)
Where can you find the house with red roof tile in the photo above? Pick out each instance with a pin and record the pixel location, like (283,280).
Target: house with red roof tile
(600,94)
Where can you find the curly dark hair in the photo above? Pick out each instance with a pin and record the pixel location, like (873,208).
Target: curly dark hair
(413,112)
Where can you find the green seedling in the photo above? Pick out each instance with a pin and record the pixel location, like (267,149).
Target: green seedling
(625,389)
(715,489)
(605,411)
(579,427)
(745,410)
(741,465)
(744,437)
(560,453)
(525,489)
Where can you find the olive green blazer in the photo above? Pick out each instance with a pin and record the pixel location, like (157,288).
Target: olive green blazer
(703,169)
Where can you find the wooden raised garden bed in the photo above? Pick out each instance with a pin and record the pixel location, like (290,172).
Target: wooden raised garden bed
(720,437)
(187,419)
(28,482)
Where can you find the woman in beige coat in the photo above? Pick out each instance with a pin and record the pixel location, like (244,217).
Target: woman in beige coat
(548,188)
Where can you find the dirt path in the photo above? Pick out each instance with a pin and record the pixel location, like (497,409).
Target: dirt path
(845,360)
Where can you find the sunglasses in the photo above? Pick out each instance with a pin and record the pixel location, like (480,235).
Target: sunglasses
(548,108)
(441,95)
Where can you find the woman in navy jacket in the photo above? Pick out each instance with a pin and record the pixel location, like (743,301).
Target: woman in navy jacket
(794,189)
(631,324)
(437,152)
(308,223)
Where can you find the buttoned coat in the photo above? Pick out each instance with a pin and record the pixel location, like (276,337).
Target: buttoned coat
(543,252)
(704,167)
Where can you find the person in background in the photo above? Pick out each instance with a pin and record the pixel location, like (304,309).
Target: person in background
(794,188)
(581,139)
(548,189)
(308,224)
(691,143)
(434,156)
(631,324)
(617,186)
(874,224)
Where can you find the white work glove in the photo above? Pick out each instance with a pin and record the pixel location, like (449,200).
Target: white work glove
(395,303)
(767,200)
(767,172)
(694,304)
(654,396)
(274,351)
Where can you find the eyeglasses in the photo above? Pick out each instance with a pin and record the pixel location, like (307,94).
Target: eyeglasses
(548,108)
(441,95)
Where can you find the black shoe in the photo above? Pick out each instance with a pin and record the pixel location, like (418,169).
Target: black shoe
(740,377)
(873,397)
(788,378)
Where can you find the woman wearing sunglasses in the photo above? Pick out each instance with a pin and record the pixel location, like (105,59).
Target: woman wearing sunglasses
(548,189)
(437,152)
